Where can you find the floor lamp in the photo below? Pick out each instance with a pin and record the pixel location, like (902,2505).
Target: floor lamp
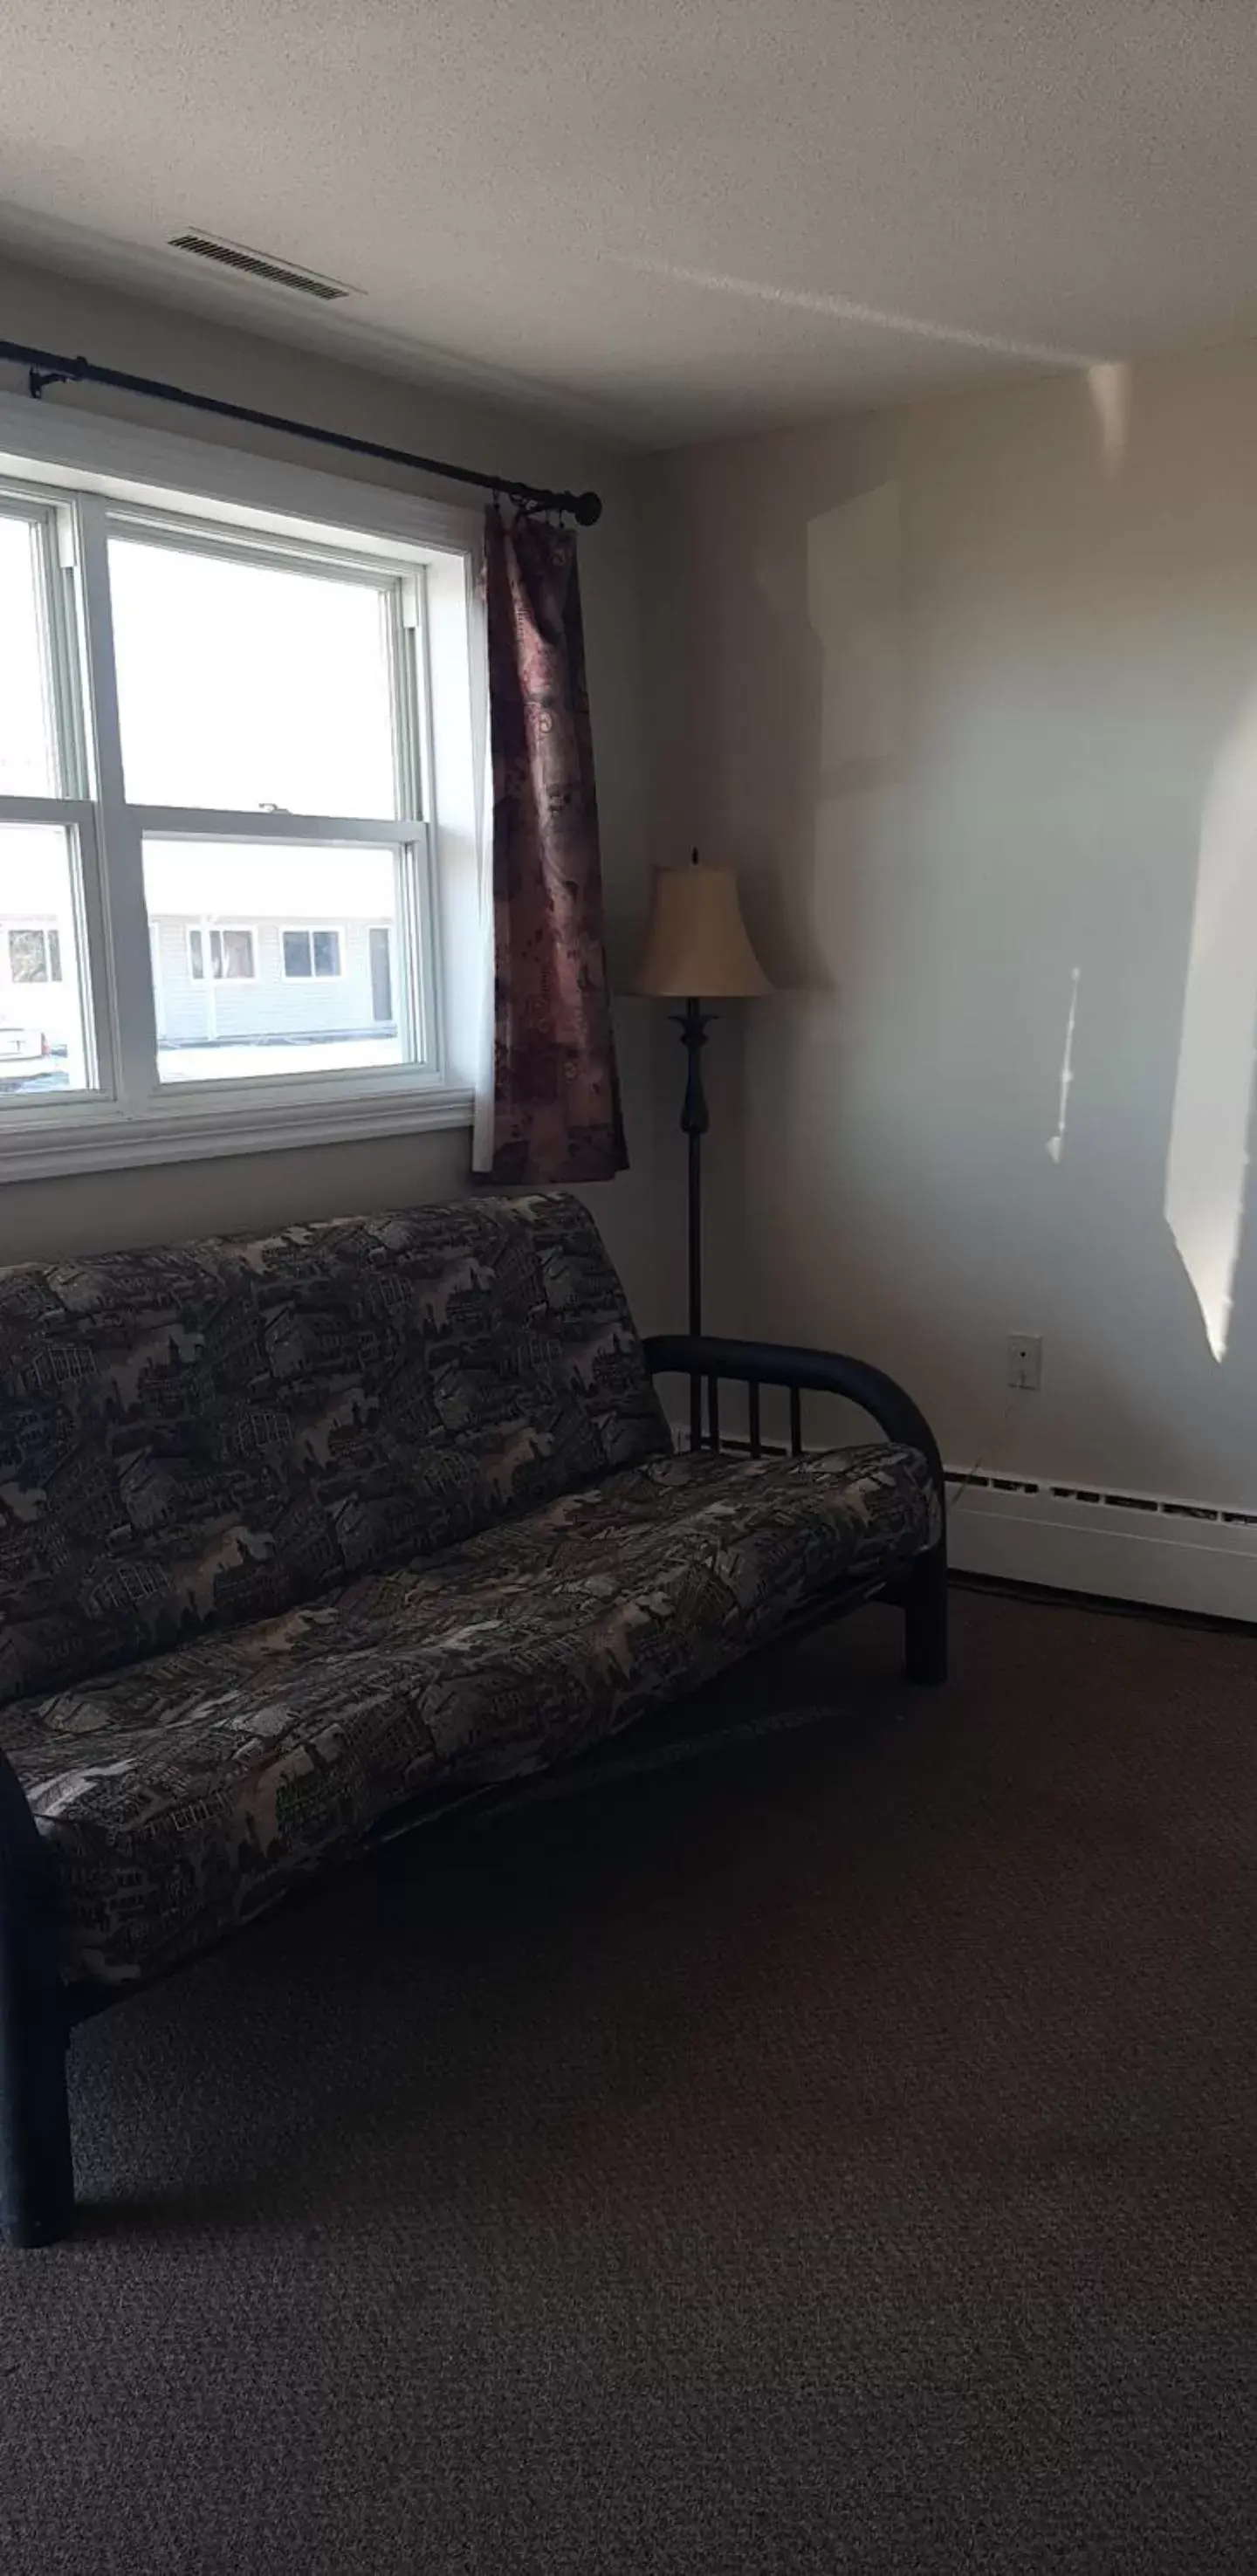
(696,949)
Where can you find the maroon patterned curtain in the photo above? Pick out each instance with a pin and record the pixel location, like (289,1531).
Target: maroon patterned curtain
(556,1095)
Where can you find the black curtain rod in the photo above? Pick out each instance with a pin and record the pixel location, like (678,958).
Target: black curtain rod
(45,367)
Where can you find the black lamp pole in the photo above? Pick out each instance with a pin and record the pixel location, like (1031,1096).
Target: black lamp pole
(693,1024)
(696,935)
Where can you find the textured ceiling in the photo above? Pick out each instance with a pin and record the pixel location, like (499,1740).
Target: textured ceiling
(669,216)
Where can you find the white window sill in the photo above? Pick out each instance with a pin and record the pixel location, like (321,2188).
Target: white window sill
(99,1138)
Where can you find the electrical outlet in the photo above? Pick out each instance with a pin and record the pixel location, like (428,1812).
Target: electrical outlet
(1025,1362)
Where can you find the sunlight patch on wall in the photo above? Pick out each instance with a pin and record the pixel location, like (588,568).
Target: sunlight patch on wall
(1207,1168)
(1109,385)
(853,604)
(1056,1143)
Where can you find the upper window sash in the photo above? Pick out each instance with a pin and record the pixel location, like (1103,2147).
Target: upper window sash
(395,632)
(57,643)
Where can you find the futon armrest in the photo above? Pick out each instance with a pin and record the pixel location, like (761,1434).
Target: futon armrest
(23,1861)
(17,1825)
(804,1372)
(28,1903)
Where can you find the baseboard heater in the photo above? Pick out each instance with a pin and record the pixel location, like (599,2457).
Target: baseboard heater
(1130,1547)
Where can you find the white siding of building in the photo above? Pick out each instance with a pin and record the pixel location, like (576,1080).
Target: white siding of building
(192,1013)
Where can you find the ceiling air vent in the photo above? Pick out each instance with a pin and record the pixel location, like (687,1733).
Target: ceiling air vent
(254,263)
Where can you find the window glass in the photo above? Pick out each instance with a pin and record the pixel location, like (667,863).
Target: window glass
(28,759)
(43,1024)
(249,685)
(282,996)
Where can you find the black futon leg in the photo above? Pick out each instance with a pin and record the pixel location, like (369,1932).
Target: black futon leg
(924,1598)
(36,2172)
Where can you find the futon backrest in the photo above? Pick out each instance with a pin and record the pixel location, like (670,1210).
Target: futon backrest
(208,1434)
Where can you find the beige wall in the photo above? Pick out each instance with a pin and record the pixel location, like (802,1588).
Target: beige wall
(43,1218)
(961,689)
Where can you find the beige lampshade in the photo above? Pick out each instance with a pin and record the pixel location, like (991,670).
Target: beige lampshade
(696,939)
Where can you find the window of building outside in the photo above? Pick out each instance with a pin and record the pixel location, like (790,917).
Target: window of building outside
(217,861)
(231,954)
(311,952)
(34,953)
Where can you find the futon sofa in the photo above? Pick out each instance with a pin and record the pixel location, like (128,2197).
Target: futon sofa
(301,1536)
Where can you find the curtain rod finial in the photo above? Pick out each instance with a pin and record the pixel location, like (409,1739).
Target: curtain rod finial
(587,509)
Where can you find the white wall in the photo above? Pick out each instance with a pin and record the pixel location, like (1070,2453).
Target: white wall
(963,690)
(40,1219)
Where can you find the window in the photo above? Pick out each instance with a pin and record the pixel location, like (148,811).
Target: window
(223,731)
(231,955)
(252,684)
(45,841)
(311,952)
(29,752)
(35,954)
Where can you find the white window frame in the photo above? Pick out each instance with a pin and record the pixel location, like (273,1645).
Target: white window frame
(212,930)
(309,930)
(103,466)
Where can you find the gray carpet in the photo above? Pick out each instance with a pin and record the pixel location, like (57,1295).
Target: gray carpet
(831,2154)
